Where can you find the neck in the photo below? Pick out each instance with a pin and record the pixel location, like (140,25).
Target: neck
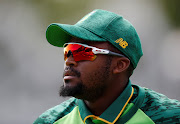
(98,106)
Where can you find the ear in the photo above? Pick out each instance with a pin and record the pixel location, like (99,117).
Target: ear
(121,65)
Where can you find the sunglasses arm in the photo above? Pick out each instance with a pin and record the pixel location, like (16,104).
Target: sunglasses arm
(103,51)
(116,54)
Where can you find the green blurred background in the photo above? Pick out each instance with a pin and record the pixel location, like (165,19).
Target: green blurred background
(31,69)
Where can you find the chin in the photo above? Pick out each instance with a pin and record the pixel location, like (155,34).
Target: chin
(74,91)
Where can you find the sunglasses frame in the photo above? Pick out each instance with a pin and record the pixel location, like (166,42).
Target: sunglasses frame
(96,50)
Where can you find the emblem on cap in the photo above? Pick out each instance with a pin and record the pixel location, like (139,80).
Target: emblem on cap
(122,43)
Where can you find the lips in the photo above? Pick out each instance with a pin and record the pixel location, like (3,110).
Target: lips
(69,76)
(68,73)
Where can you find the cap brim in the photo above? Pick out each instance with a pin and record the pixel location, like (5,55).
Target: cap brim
(58,34)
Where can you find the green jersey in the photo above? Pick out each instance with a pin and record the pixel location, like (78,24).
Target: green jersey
(135,105)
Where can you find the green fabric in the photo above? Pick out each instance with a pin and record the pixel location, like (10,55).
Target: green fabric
(100,25)
(140,118)
(59,111)
(96,121)
(128,107)
(74,118)
(71,118)
(139,95)
(160,108)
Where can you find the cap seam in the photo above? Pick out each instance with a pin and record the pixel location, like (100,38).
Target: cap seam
(109,23)
(91,31)
(94,32)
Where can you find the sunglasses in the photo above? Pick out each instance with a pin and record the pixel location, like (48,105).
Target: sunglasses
(84,52)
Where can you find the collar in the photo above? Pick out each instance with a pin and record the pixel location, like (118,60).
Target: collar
(112,112)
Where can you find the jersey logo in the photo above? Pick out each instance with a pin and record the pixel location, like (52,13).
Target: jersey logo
(122,43)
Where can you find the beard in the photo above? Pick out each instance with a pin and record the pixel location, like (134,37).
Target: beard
(94,86)
(71,91)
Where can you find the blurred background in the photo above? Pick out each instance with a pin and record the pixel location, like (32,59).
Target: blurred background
(31,69)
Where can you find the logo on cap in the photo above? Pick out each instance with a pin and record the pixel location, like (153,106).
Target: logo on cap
(122,43)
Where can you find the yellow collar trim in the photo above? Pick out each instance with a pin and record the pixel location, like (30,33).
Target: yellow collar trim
(116,117)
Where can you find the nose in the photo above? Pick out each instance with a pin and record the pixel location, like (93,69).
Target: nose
(70,61)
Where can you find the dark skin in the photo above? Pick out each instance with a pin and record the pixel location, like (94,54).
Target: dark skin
(114,84)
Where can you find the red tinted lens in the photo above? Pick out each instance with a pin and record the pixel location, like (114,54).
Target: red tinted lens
(79,52)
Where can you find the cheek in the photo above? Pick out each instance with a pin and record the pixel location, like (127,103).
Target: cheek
(87,70)
(93,74)
(89,78)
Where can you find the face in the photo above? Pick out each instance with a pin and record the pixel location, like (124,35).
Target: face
(87,79)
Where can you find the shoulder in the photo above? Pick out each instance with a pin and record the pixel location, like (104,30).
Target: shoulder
(160,108)
(57,112)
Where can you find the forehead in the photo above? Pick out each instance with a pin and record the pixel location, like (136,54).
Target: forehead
(99,44)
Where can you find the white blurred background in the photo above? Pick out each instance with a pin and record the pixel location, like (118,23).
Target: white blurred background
(31,69)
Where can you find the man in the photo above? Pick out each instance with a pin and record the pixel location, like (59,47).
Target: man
(101,52)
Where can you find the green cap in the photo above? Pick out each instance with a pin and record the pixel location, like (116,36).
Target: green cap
(100,25)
